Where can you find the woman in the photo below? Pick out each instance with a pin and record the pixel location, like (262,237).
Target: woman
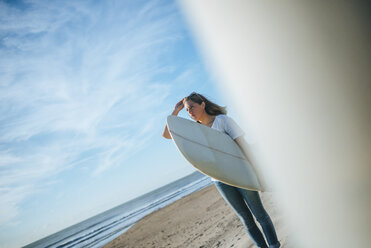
(245,203)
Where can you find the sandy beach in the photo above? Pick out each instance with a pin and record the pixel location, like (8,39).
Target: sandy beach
(201,220)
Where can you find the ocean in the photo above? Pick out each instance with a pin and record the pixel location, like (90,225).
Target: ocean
(102,228)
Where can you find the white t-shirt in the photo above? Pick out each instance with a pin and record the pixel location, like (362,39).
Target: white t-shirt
(227,125)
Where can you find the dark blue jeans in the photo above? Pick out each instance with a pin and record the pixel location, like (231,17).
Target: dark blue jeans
(247,203)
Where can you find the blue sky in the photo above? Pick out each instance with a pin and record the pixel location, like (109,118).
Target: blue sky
(85,88)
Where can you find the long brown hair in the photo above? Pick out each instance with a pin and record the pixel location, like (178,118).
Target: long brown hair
(210,107)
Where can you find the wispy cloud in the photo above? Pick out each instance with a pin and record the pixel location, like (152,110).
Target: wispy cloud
(79,83)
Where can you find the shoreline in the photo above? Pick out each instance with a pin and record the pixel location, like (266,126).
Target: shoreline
(202,219)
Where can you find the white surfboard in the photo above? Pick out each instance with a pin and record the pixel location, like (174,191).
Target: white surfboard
(213,153)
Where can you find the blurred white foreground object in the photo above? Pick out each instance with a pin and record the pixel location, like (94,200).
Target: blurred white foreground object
(299,73)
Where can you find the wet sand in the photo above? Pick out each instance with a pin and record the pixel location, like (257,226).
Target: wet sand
(202,220)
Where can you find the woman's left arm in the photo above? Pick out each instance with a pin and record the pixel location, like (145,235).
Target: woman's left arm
(245,148)
(233,130)
(241,142)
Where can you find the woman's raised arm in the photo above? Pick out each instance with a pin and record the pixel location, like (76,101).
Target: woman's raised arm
(178,107)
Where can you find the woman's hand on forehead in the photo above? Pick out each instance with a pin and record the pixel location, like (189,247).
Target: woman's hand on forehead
(179,106)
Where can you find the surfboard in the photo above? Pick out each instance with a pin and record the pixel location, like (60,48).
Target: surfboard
(213,153)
